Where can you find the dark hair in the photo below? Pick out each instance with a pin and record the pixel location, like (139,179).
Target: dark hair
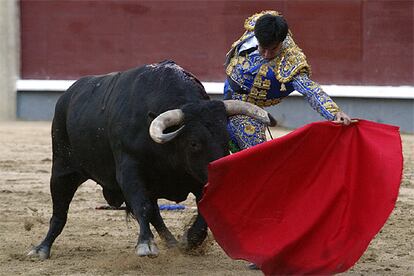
(270,29)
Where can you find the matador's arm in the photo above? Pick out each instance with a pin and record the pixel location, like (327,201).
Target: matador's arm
(317,98)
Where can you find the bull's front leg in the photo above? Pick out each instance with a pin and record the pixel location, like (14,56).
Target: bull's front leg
(197,232)
(161,228)
(133,188)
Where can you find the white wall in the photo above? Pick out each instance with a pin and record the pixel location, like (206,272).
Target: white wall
(9,57)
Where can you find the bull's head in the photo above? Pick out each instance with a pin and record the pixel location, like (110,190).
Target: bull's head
(175,117)
(203,130)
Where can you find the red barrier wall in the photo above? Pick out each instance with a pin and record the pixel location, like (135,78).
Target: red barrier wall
(346,41)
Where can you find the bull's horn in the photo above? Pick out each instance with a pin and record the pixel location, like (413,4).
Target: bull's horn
(164,120)
(235,107)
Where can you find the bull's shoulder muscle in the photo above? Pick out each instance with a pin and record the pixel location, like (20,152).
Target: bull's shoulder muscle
(81,83)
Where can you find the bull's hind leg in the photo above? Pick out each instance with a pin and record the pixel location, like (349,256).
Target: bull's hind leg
(63,188)
(161,228)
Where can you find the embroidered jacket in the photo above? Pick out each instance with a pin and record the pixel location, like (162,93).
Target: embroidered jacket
(253,79)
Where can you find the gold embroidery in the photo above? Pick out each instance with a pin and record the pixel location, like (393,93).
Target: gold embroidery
(237,124)
(231,65)
(249,129)
(263,70)
(266,84)
(245,35)
(261,85)
(290,62)
(234,61)
(254,92)
(331,107)
(258,94)
(257,82)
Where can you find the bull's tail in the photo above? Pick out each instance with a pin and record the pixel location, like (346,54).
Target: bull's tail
(128,213)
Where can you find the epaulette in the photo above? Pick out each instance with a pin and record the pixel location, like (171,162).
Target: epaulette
(290,61)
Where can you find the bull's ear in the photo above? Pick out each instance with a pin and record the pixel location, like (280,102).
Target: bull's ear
(151,116)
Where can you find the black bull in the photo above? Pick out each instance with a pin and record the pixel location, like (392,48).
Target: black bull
(142,134)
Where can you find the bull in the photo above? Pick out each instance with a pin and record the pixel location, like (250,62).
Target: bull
(142,134)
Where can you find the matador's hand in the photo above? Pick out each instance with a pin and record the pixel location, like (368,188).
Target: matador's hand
(342,118)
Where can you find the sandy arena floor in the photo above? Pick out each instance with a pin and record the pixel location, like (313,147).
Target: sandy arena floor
(102,242)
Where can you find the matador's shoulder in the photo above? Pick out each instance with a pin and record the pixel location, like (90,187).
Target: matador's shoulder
(290,61)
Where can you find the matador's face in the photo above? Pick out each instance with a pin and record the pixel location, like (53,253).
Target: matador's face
(271,51)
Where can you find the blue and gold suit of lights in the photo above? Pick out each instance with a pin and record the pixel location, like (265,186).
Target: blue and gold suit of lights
(253,79)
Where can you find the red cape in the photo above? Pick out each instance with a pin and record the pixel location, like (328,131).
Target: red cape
(308,202)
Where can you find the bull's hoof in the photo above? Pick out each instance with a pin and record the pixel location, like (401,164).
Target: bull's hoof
(171,243)
(41,252)
(169,239)
(147,248)
(193,239)
(191,247)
